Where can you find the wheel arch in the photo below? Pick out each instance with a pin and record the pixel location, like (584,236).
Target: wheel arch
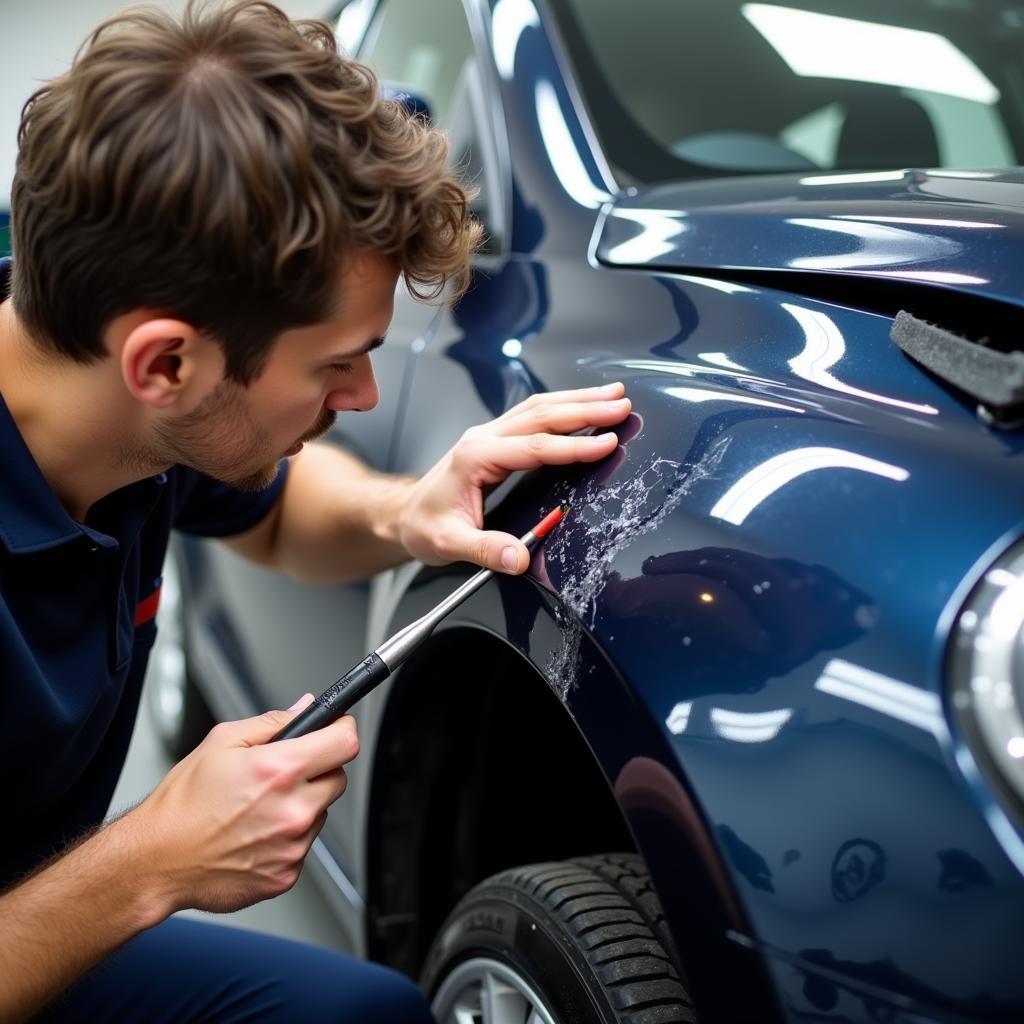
(479,773)
(457,715)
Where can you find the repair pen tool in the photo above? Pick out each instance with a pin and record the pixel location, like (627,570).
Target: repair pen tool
(358,681)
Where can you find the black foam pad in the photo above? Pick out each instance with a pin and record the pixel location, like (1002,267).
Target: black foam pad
(994,378)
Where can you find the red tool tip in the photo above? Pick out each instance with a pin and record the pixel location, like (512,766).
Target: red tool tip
(550,521)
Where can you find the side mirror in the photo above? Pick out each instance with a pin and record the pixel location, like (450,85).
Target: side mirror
(415,103)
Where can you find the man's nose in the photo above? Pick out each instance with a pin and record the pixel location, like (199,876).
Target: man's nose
(359,393)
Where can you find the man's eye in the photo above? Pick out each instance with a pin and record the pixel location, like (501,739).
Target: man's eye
(341,367)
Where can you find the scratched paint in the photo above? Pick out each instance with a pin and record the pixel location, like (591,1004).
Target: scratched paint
(605,519)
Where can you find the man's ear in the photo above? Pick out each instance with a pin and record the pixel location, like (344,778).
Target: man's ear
(167,362)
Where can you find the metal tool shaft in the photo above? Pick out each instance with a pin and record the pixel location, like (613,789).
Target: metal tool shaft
(397,648)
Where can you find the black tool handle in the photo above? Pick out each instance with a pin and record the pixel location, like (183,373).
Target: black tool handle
(337,699)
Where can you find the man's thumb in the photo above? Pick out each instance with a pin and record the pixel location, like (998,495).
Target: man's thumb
(264,727)
(496,550)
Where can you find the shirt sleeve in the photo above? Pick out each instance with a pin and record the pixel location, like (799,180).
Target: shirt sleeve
(207,508)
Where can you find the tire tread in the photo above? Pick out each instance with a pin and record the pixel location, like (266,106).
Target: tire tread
(607,905)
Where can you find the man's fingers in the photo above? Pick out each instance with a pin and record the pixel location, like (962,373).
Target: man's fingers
(506,454)
(315,753)
(326,788)
(325,749)
(562,417)
(604,392)
(254,732)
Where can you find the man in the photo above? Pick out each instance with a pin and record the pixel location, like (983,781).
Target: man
(209,220)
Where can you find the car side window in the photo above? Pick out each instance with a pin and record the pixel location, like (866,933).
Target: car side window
(428,49)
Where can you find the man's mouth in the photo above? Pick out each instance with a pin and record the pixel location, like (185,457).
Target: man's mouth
(322,425)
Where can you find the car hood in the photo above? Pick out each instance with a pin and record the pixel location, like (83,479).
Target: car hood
(956,229)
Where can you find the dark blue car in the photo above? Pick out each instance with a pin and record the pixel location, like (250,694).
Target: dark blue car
(746,744)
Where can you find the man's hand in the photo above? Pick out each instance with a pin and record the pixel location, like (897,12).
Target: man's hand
(232,823)
(442,517)
(229,825)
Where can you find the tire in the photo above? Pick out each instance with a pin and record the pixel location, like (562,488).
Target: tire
(176,708)
(572,942)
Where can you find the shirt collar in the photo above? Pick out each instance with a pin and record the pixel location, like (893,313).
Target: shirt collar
(31,515)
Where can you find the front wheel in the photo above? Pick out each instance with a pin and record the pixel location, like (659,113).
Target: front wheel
(574,942)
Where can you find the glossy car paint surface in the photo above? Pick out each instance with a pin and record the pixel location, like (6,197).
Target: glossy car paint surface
(747,613)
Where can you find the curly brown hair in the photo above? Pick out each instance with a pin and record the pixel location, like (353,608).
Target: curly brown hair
(218,169)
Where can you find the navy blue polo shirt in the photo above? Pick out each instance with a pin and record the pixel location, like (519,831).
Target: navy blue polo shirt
(77,607)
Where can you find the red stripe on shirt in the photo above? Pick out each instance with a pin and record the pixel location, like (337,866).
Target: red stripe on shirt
(145,611)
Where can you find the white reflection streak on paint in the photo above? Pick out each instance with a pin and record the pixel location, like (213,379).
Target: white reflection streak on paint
(729,287)
(659,366)
(720,359)
(853,179)
(679,718)
(933,276)
(749,727)
(823,348)
(881,246)
(561,150)
(941,172)
(763,481)
(909,704)
(710,395)
(656,238)
(509,20)
(925,221)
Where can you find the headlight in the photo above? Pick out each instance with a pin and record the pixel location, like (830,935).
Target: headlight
(987,674)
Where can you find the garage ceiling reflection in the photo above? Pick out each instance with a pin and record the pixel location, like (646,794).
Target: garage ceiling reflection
(824,346)
(891,697)
(720,359)
(711,395)
(763,481)
(825,46)
(660,229)
(749,727)
(562,152)
(877,245)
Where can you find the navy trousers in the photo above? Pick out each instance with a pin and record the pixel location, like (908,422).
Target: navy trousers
(189,971)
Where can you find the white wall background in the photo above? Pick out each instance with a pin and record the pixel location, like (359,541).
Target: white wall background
(40,38)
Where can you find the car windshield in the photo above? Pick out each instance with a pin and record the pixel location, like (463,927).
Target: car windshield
(685,88)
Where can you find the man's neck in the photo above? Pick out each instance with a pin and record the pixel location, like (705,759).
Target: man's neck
(72,416)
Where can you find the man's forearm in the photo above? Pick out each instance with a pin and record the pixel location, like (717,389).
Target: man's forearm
(338,519)
(63,920)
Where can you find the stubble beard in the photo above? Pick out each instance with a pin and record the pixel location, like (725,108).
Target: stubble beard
(220,439)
